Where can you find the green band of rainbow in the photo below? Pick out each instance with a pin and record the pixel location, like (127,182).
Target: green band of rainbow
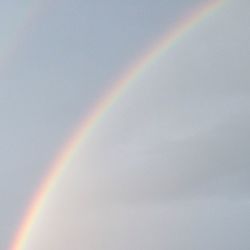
(87,126)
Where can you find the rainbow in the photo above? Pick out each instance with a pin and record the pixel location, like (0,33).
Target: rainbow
(33,10)
(66,155)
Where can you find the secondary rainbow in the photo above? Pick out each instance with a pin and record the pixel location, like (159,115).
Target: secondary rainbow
(88,125)
(11,43)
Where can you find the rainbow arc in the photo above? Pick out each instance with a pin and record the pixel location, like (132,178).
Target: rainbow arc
(88,125)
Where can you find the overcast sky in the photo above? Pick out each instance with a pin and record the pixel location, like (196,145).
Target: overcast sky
(168,166)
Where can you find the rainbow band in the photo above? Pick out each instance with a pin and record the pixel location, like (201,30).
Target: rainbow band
(33,11)
(88,125)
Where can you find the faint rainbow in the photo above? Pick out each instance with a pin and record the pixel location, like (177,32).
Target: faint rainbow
(34,9)
(87,126)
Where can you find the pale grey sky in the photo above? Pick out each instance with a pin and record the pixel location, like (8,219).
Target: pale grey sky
(173,151)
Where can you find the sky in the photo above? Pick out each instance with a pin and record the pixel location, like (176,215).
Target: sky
(167,166)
